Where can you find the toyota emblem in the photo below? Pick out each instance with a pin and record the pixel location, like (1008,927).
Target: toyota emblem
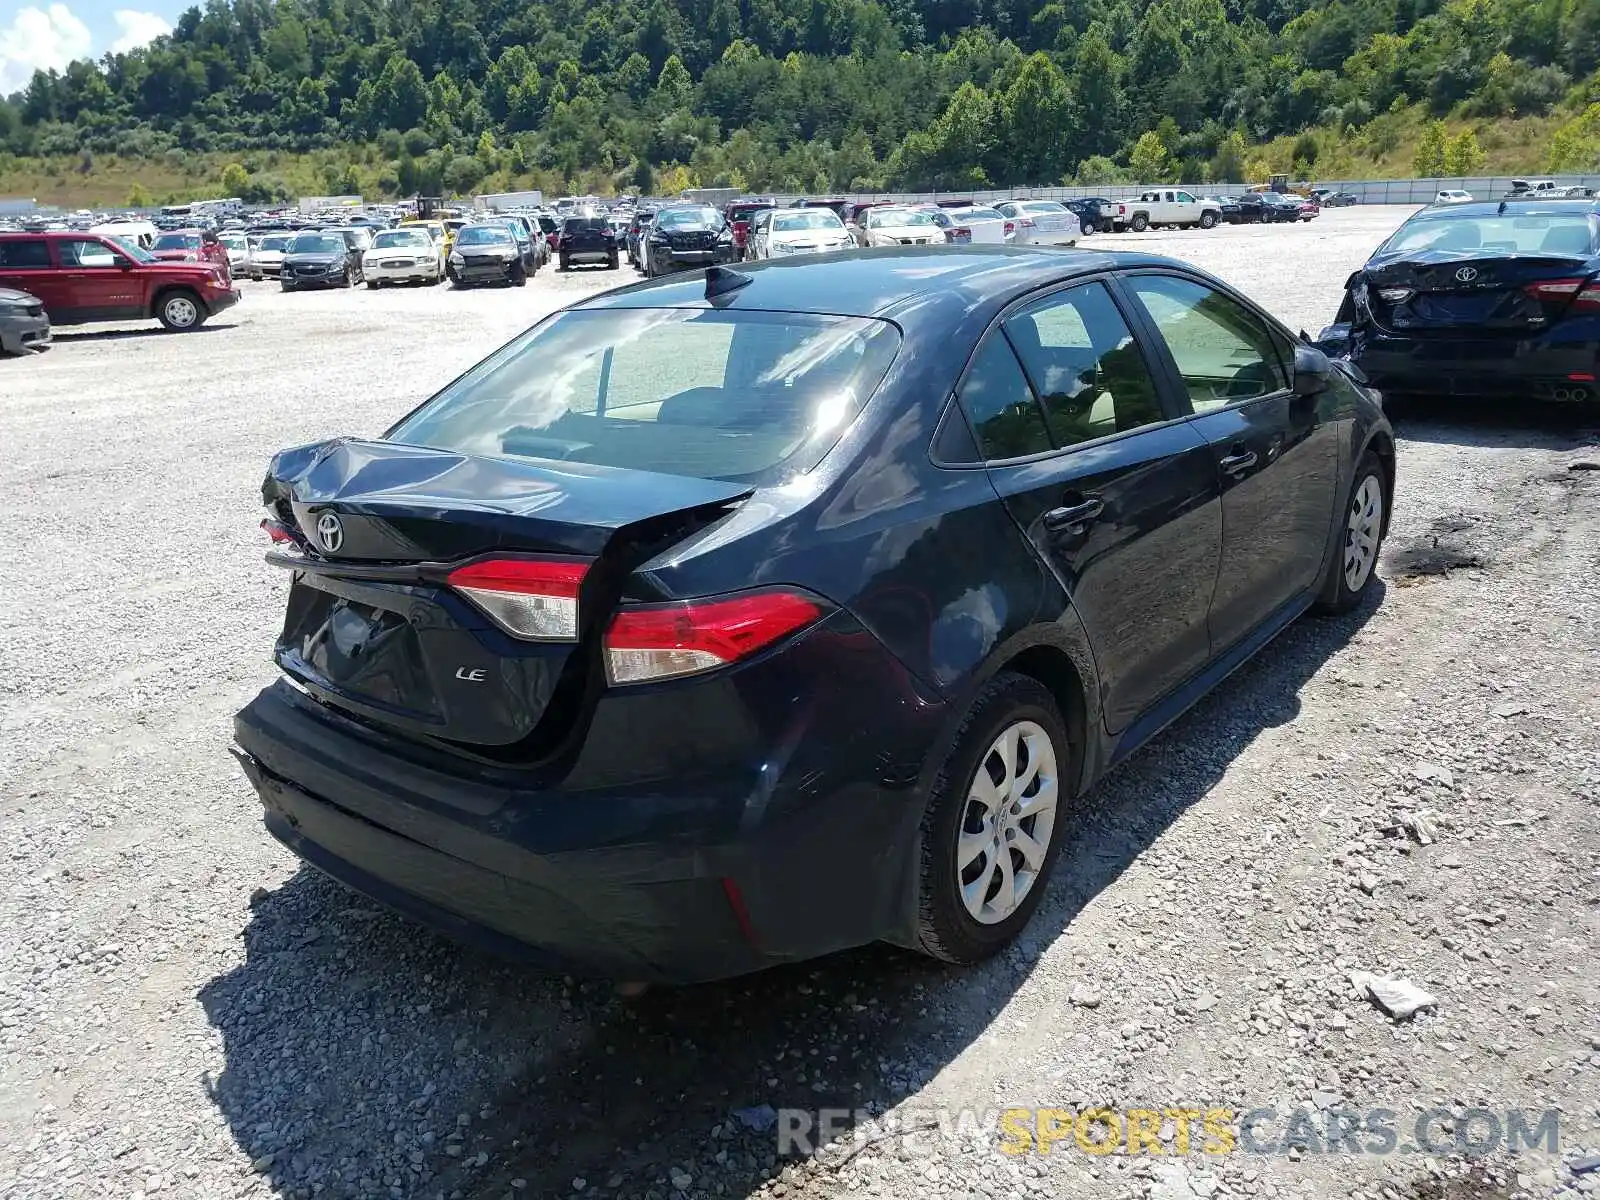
(330,532)
(1467,274)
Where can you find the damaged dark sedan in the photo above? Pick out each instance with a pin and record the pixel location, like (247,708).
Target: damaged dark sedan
(735,618)
(1486,299)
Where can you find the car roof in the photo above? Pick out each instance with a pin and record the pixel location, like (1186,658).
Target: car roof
(892,283)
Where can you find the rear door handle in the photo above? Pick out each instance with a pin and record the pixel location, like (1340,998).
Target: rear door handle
(1080,513)
(1238,464)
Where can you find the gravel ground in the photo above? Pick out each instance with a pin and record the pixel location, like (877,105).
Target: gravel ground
(184,1011)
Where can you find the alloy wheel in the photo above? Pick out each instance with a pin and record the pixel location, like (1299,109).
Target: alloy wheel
(1006,827)
(182,312)
(1362,533)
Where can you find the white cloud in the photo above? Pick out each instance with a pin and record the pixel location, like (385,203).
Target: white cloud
(138,29)
(40,39)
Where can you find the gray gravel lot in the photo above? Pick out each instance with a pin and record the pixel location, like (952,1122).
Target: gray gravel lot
(185,1011)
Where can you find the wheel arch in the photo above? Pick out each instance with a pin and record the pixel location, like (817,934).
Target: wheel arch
(1381,443)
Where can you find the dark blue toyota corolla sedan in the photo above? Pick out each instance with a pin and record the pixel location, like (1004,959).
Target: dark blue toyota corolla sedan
(743,616)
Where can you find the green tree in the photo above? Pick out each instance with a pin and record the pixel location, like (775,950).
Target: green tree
(139,196)
(1463,156)
(1429,160)
(1150,160)
(1227,165)
(1036,112)
(235,179)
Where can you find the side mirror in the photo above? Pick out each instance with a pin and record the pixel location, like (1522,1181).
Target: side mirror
(1313,373)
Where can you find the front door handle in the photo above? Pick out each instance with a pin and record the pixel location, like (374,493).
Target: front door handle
(1079,513)
(1238,464)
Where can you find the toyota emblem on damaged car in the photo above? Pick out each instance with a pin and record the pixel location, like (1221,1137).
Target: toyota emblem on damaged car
(1467,274)
(330,532)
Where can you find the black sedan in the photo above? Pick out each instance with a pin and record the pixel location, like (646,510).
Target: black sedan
(759,612)
(488,254)
(24,326)
(1232,210)
(1490,299)
(693,235)
(322,259)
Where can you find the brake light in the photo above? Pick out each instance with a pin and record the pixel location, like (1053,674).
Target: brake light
(1011,227)
(1026,222)
(962,232)
(664,641)
(532,598)
(1553,291)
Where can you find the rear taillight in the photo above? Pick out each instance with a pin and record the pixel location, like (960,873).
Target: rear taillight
(1584,294)
(663,641)
(1011,227)
(1026,222)
(533,598)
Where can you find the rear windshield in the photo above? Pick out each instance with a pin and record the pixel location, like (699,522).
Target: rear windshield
(1542,233)
(745,396)
(178,241)
(586,225)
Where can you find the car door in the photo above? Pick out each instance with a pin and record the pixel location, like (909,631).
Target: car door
(1277,452)
(26,264)
(99,281)
(1116,492)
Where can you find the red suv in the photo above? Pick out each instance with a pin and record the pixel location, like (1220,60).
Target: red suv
(738,215)
(86,277)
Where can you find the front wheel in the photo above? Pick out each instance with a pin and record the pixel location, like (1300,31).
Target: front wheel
(990,831)
(611,263)
(372,285)
(1208,220)
(517,277)
(180,312)
(1354,563)
(1085,226)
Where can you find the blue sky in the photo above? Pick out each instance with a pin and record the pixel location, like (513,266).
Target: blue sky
(42,34)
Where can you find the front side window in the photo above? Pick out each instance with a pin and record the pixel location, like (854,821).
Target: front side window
(1000,406)
(739,395)
(1090,374)
(1224,354)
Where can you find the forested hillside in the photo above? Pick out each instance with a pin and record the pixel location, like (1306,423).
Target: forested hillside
(450,95)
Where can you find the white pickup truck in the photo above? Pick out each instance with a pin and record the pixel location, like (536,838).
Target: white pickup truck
(1168,206)
(1545,189)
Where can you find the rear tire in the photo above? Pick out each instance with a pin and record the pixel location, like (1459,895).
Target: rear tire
(991,831)
(1354,563)
(180,311)
(372,285)
(1139,223)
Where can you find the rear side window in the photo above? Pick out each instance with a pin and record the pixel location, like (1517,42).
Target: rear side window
(1082,359)
(748,396)
(1000,406)
(1223,353)
(24,252)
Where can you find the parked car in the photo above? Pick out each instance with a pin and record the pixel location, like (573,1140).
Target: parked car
(24,325)
(1328,198)
(1230,210)
(738,216)
(544,640)
(1491,299)
(974,224)
(527,253)
(190,245)
(237,246)
(1452,196)
(319,258)
(684,237)
(1546,189)
(785,232)
(1095,213)
(266,255)
(587,237)
(1275,207)
(1040,222)
(1166,207)
(402,256)
(638,229)
(889,225)
(82,277)
(1307,207)
(487,254)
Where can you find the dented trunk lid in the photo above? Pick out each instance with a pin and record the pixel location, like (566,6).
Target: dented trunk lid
(374,627)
